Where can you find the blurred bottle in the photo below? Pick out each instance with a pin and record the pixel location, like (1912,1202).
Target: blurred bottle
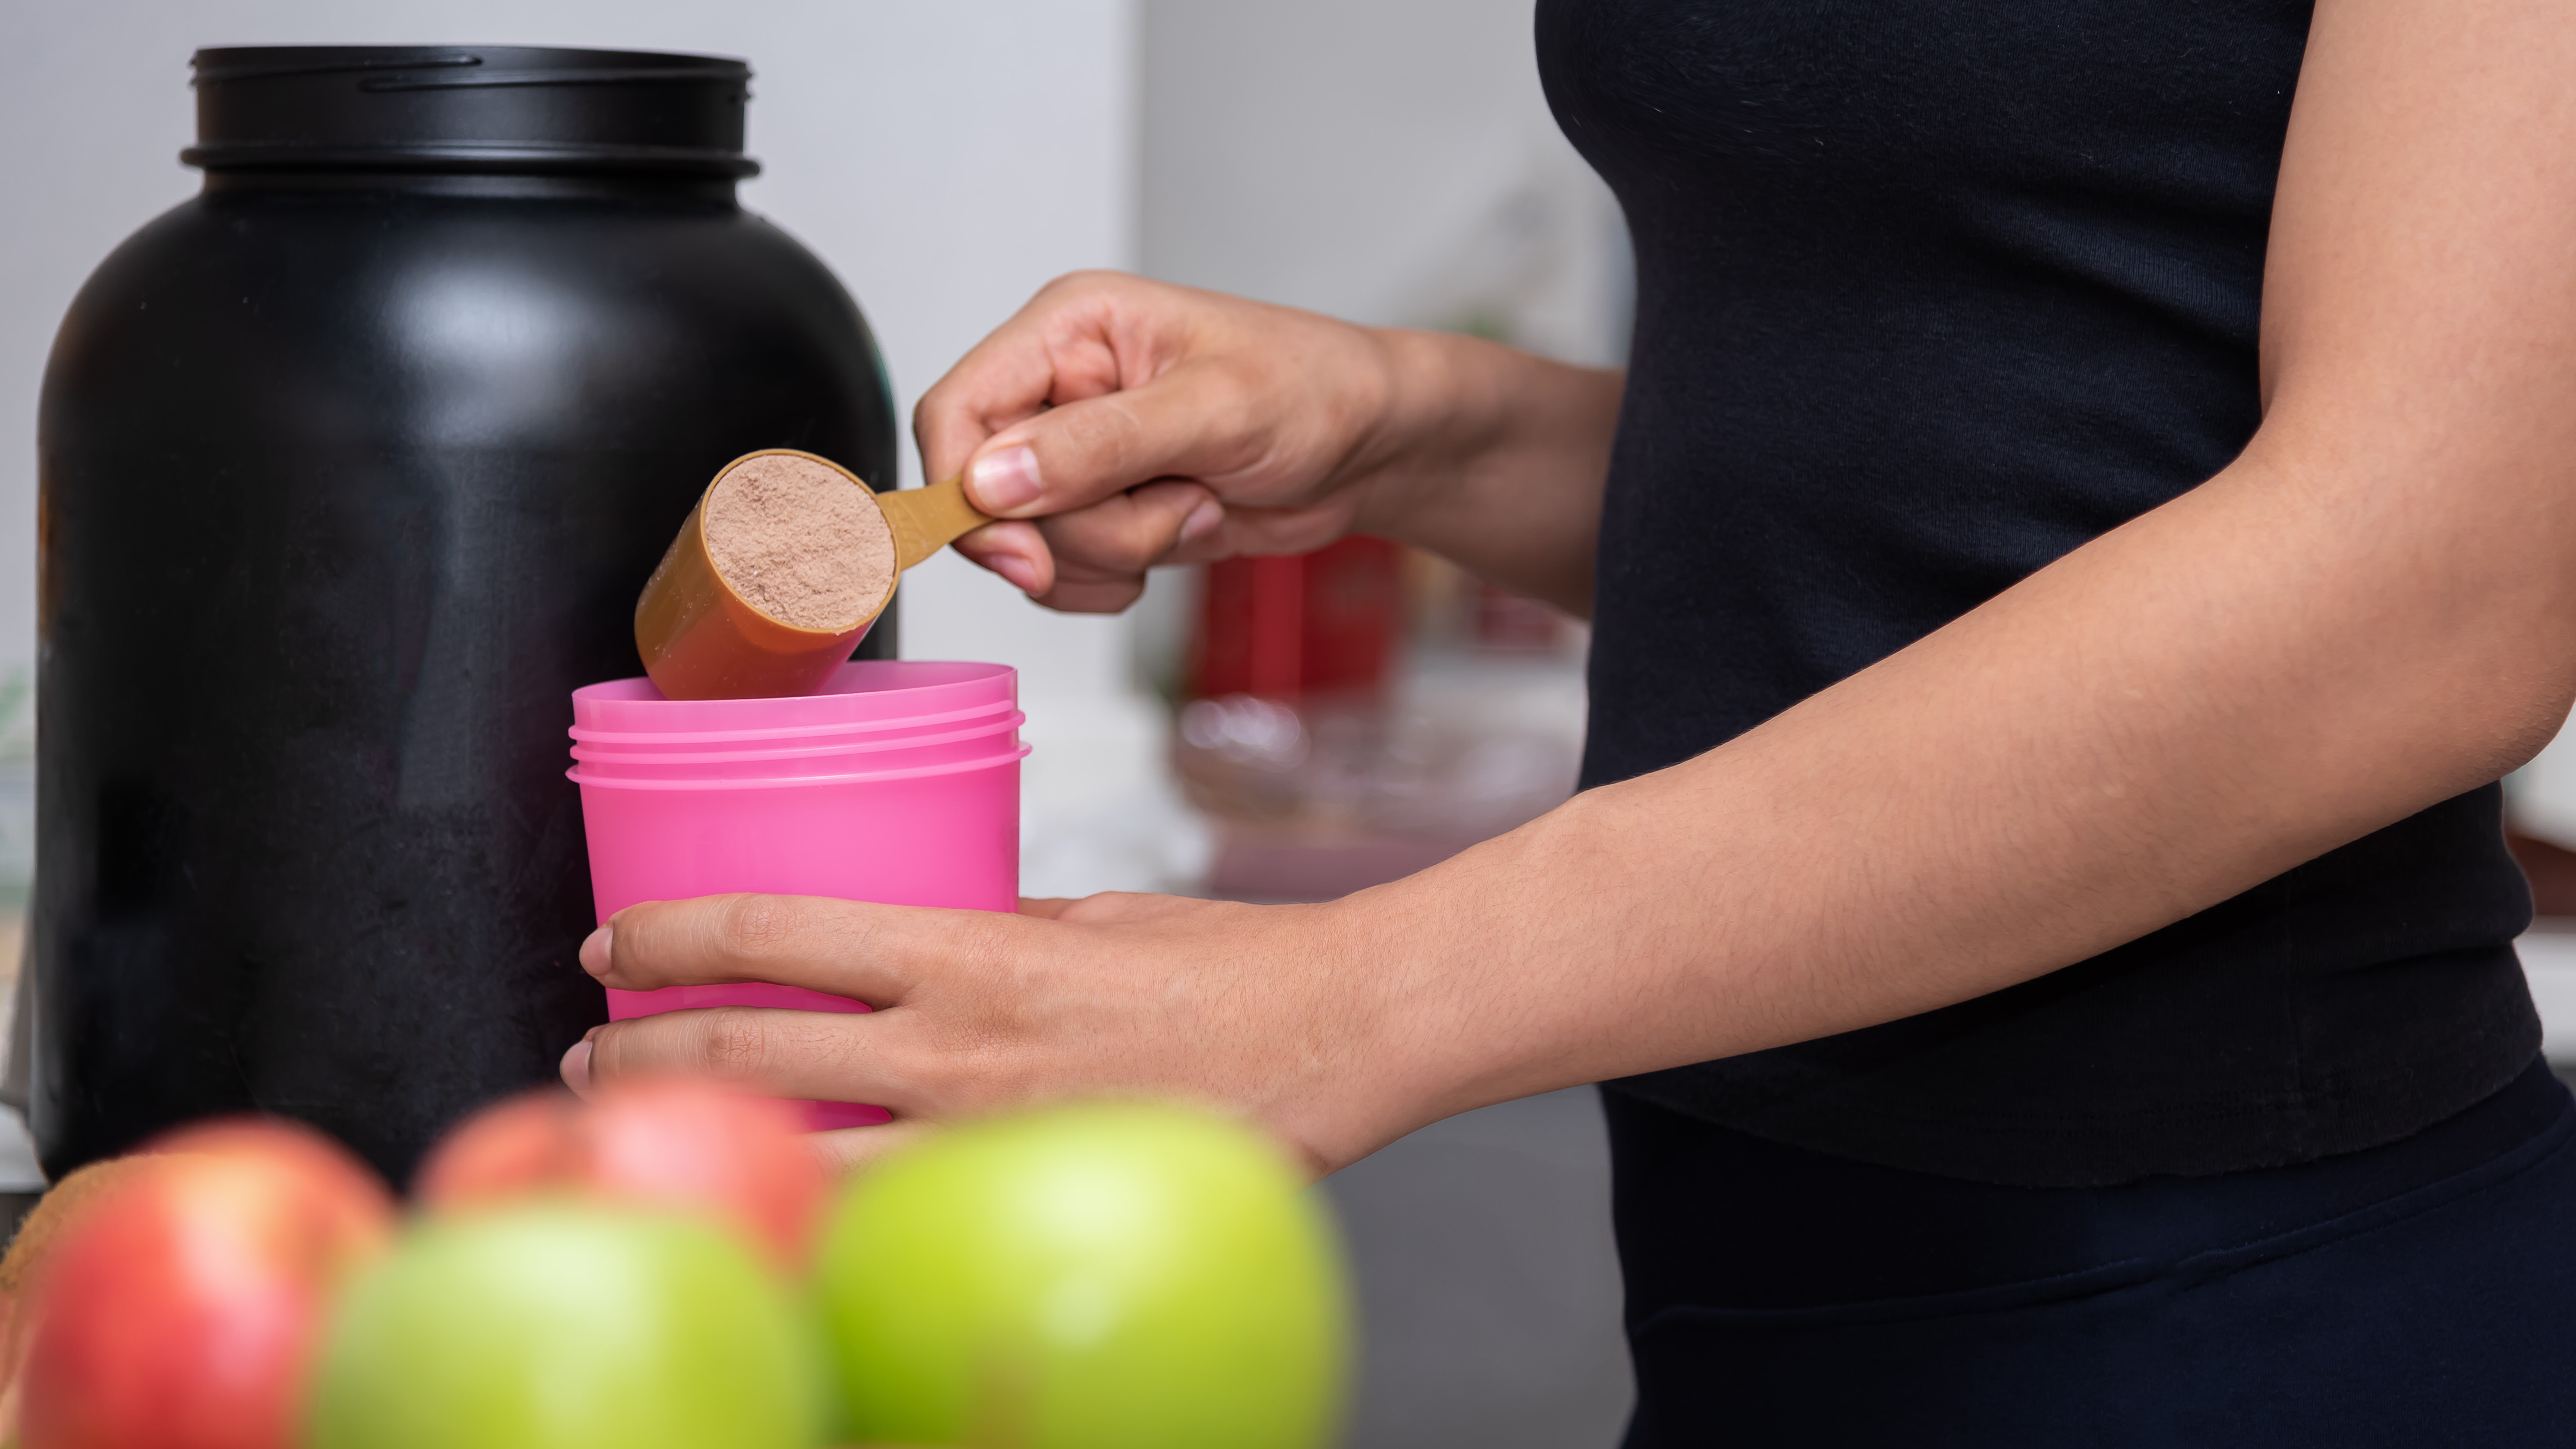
(1283,628)
(1358,713)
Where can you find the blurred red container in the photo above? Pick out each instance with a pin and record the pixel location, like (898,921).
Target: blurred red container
(1286,627)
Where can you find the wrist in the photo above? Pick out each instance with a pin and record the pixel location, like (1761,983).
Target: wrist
(1424,431)
(1412,1047)
(1490,457)
(1374,1074)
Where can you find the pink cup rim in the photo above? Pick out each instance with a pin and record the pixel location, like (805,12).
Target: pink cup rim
(865,690)
(791,732)
(844,746)
(861,747)
(954,767)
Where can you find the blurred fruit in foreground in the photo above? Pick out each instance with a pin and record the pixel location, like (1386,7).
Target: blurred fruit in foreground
(181,1306)
(1108,1276)
(568,1325)
(664,1141)
(55,1212)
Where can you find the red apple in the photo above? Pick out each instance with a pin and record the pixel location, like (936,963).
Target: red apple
(662,1141)
(527,1144)
(183,1308)
(63,1205)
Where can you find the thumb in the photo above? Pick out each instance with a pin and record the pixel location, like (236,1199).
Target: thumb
(1194,421)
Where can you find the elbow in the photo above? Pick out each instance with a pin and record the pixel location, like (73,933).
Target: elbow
(2493,706)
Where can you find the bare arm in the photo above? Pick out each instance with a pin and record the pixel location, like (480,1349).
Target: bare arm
(2371,610)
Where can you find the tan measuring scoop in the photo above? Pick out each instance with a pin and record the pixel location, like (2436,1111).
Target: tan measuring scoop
(782,566)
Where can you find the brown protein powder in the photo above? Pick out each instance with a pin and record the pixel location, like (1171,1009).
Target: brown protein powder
(799,542)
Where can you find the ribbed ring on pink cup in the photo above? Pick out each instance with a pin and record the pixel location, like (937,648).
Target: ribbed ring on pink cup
(617,741)
(996,736)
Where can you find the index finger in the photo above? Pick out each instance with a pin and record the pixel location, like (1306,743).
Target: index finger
(847,948)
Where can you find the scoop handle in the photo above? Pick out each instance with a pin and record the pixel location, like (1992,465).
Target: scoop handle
(926,520)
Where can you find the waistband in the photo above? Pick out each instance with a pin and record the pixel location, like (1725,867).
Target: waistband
(1713,1218)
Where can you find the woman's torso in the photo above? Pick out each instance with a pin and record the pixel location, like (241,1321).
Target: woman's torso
(1929,295)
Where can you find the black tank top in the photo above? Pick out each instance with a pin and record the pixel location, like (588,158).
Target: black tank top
(1927,295)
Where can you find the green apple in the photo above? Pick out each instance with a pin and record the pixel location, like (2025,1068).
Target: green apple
(563,1325)
(1106,1276)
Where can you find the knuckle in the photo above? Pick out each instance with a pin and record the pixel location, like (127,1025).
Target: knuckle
(1093,598)
(608,1051)
(1107,433)
(1094,907)
(1230,393)
(1124,541)
(732,1042)
(1147,536)
(1078,284)
(1009,535)
(753,927)
(1101,279)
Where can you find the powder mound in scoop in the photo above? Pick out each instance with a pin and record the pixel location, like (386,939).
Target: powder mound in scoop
(799,542)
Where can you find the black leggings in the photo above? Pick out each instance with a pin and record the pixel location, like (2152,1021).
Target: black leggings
(2422,1293)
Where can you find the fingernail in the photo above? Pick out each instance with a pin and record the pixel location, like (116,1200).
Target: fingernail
(1022,573)
(1202,521)
(1004,480)
(576,1066)
(595,951)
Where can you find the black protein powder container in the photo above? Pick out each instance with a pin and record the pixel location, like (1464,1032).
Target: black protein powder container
(351,469)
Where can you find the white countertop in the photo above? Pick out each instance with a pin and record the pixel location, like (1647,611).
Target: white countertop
(2549,961)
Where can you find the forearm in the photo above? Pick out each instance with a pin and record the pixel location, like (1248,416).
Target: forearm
(1494,459)
(2273,665)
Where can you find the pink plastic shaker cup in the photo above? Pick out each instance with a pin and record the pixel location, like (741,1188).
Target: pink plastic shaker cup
(899,783)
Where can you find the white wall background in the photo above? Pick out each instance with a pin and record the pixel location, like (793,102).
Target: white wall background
(944,159)
(1387,161)
(2541,796)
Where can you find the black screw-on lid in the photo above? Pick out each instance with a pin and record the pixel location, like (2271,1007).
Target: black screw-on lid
(471,108)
